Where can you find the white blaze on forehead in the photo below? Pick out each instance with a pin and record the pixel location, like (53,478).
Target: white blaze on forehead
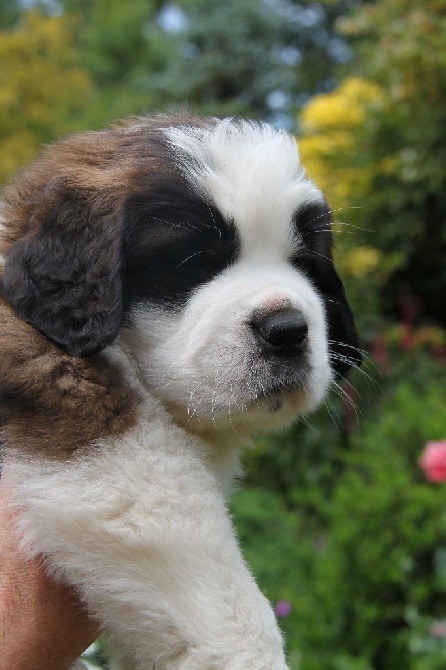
(252,173)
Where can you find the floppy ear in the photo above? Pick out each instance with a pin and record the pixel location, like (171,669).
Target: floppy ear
(344,347)
(64,278)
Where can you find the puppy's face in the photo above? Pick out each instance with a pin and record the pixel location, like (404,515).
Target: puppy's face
(213,257)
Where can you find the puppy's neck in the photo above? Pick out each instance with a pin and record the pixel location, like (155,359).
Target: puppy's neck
(221,445)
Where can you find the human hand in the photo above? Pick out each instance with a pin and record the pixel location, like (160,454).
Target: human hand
(42,623)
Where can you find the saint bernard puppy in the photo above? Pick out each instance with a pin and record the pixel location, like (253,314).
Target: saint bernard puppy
(168,290)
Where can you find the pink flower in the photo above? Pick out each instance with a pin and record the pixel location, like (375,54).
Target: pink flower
(283,608)
(438,629)
(433,461)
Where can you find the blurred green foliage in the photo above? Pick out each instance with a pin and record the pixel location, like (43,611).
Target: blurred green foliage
(255,58)
(358,543)
(42,87)
(389,160)
(252,57)
(370,533)
(335,516)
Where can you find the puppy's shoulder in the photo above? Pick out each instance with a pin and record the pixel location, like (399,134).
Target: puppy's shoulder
(54,404)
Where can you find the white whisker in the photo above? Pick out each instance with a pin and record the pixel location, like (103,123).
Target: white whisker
(197,253)
(184,225)
(332,413)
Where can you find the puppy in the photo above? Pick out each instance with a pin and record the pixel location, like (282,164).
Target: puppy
(168,290)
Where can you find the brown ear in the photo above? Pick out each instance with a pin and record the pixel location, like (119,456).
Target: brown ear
(64,277)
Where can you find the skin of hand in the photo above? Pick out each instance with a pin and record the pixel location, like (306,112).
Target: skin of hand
(42,623)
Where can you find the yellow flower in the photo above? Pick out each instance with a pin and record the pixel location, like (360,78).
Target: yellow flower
(344,108)
(42,88)
(328,141)
(360,261)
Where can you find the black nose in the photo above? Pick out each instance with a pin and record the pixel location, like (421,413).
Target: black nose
(282,333)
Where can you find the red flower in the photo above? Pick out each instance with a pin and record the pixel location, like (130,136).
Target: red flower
(433,461)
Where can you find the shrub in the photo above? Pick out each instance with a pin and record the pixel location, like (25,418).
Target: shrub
(360,552)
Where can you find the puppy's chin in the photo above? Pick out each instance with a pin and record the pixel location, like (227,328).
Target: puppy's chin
(274,411)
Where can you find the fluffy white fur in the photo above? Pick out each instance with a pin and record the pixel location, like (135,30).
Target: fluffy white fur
(253,174)
(141,527)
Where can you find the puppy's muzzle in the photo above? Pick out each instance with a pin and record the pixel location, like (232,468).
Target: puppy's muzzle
(281,333)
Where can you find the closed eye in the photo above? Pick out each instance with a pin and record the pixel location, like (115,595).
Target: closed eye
(172,250)
(198,267)
(188,258)
(317,254)
(313,264)
(312,224)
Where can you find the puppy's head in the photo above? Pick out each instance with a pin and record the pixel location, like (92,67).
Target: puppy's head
(206,245)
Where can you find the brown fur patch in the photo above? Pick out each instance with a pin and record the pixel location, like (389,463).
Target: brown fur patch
(105,167)
(53,404)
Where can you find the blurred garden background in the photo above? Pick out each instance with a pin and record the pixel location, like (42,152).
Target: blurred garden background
(343,528)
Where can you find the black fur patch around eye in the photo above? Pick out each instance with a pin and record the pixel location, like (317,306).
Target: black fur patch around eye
(313,254)
(312,224)
(314,258)
(176,241)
